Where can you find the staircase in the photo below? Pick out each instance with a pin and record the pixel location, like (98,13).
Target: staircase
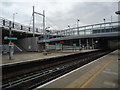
(21,49)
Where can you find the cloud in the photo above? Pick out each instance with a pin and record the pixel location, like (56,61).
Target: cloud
(60,13)
(87,12)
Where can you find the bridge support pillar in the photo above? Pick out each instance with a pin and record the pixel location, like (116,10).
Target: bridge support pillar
(80,43)
(92,43)
(87,44)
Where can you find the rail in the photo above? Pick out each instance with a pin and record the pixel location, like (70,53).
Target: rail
(46,70)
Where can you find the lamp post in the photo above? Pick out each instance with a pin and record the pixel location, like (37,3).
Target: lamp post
(33,22)
(104,20)
(78,26)
(10,34)
(69,29)
(14,18)
(46,33)
(111,19)
(104,23)
(111,24)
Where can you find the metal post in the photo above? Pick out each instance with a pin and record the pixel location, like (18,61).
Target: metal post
(79,44)
(72,31)
(64,33)
(44,24)
(111,24)
(92,43)
(85,31)
(92,30)
(77,26)
(100,28)
(33,23)
(13,19)
(44,30)
(111,19)
(87,44)
(10,33)
(69,30)
(104,24)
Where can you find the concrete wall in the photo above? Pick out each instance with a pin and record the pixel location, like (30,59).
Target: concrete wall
(29,44)
(114,44)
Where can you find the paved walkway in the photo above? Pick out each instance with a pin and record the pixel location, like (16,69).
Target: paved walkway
(102,73)
(35,55)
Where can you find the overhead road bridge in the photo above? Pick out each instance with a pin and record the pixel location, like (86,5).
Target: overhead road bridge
(102,35)
(109,29)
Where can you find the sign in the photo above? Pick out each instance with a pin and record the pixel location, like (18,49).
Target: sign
(61,42)
(46,40)
(10,38)
(46,44)
(58,43)
(74,45)
(11,44)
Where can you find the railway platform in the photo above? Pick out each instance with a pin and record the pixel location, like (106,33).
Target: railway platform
(28,56)
(101,73)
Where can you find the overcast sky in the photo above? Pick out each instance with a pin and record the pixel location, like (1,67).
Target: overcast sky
(60,13)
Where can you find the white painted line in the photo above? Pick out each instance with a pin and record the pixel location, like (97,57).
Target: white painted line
(111,73)
(69,73)
(41,58)
(37,59)
(110,84)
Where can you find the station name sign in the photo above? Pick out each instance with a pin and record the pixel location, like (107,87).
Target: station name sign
(10,38)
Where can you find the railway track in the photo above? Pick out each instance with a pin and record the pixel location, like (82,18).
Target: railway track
(28,75)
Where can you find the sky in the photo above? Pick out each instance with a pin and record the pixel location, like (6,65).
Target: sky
(60,13)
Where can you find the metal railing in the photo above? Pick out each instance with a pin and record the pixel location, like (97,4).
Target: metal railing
(17,26)
(91,29)
(83,30)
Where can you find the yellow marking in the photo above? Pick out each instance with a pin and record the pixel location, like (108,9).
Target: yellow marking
(85,77)
(80,81)
(84,85)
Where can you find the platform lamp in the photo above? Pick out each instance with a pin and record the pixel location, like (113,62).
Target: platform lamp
(45,38)
(14,18)
(69,29)
(118,12)
(78,26)
(10,34)
(104,23)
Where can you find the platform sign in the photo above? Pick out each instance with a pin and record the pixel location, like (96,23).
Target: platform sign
(11,44)
(46,40)
(10,38)
(58,43)
(46,44)
(61,42)
(74,44)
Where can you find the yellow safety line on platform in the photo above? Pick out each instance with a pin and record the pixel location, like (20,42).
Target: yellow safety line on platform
(83,80)
(86,83)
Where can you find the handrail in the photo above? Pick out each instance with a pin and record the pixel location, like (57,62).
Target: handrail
(6,23)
